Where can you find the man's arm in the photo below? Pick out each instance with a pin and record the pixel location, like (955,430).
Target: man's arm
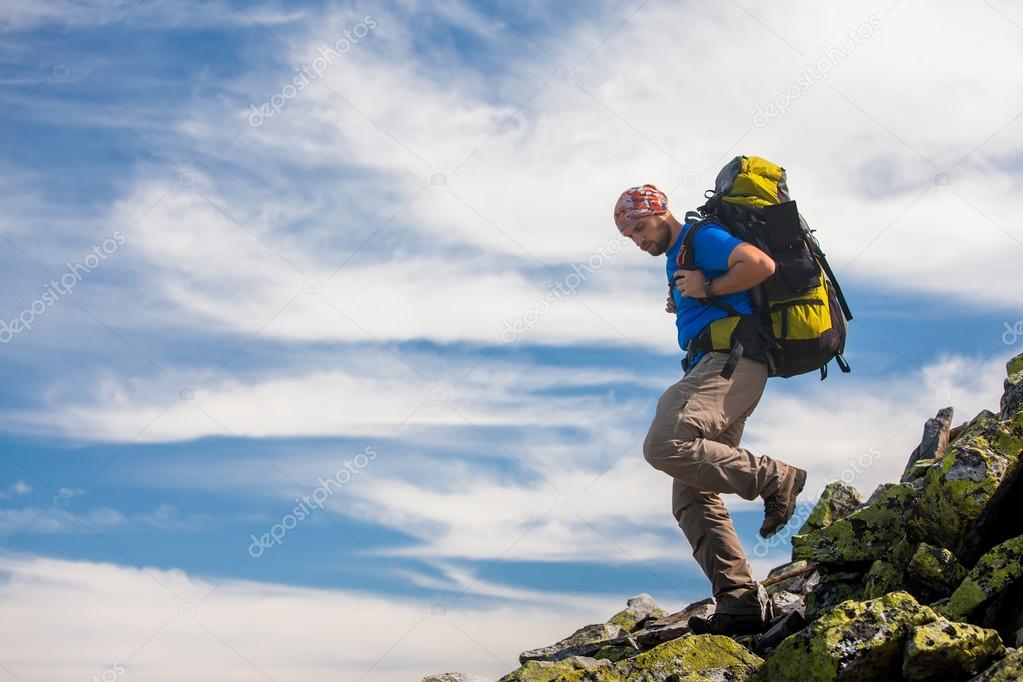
(748,266)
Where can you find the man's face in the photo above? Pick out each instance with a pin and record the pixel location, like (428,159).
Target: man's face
(651,234)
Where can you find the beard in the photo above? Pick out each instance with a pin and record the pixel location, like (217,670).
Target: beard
(663,241)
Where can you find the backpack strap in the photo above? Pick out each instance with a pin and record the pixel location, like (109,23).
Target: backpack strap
(689,261)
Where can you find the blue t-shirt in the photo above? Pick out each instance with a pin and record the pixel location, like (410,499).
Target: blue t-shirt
(713,246)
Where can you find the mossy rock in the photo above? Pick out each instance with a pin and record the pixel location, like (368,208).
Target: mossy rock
(956,489)
(1014,366)
(637,610)
(865,535)
(882,578)
(582,642)
(837,501)
(832,590)
(853,642)
(694,658)
(949,651)
(1009,669)
(999,568)
(935,569)
(571,669)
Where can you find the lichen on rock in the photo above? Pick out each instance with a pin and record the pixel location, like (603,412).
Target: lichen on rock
(935,569)
(836,501)
(949,651)
(865,535)
(637,610)
(882,578)
(853,642)
(1001,566)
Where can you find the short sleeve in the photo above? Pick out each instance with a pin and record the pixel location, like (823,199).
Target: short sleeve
(713,247)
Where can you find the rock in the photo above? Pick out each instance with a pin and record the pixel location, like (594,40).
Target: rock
(1012,395)
(789,624)
(687,659)
(453,677)
(865,535)
(935,570)
(837,501)
(932,444)
(949,651)
(657,631)
(784,602)
(790,577)
(853,642)
(1009,669)
(637,610)
(881,579)
(1000,518)
(569,669)
(996,571)
(956,489)
(582,642)
(833,589)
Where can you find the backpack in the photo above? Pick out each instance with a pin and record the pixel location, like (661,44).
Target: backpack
(800,313)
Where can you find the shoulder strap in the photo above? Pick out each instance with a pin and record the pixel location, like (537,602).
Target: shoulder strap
(689,262)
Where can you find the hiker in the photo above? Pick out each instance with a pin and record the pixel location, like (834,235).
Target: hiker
(695,433)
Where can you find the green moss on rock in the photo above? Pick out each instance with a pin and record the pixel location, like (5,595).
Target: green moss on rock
(1009,669)
(865,535)
(1001,566)
(935,568)
(832,590)
(955,490)
(853,642)
(695,658)
(637,610)
(949,651)
(837,501)
(882,578)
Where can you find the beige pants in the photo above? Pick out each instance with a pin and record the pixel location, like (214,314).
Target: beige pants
(694,439)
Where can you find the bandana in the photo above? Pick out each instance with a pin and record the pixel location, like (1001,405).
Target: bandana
(639,202)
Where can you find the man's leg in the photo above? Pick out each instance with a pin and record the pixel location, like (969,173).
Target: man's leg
(684,437)
(704,519)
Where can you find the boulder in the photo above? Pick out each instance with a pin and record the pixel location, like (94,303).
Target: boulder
(949,651)
(935,570)
(956,489)
(655,632)
(687,659)
(1000,518)
(837,501)
(569,669)
(453,677)
(1012,395)
(932,444)
(882,578)
(1009,669)
(865,535)
(853,642)
(582,642)
(996,571)
(637,610)
(832,590)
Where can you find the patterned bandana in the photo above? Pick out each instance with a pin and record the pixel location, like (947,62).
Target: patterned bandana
(639,202)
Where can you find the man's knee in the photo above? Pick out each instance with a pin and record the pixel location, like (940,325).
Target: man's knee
(656,451)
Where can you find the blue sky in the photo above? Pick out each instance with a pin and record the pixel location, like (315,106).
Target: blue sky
(258,304)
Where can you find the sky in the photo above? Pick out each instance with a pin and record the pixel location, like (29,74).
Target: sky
(324,359)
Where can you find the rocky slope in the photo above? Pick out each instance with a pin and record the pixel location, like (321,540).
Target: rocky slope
(923,581)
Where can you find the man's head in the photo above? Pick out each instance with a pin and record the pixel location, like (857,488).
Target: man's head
(641,213)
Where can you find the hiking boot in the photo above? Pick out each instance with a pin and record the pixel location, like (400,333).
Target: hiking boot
(729,624)
(780,505)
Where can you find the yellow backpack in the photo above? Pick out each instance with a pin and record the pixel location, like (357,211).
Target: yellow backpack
(800,313)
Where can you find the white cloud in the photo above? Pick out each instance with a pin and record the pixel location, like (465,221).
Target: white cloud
(151,617)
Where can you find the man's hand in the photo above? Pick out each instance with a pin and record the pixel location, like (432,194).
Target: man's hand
(669,307)
(690,283)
